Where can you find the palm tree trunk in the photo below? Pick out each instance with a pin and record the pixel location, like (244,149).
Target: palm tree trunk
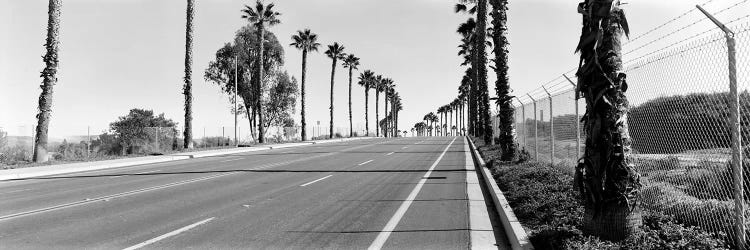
(606,178)
(49,78)
(304,73)
(351,129)
(187,89)
(385,130)
(367,117)
(259,85)
(333,73)
(377,113)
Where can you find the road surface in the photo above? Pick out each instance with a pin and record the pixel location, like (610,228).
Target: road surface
(350,195)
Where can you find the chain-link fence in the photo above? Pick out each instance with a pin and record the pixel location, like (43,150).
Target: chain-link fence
(679,118)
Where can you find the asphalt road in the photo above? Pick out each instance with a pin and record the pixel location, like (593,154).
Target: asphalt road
(325,196)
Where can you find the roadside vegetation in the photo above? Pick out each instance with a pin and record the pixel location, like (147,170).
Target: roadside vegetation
(547,205)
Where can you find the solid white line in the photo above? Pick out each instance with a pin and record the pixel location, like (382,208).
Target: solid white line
(315,181)
(170,234)
(390,153)
(391,225)
(364,163)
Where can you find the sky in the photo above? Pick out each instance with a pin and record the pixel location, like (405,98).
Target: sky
(116,55)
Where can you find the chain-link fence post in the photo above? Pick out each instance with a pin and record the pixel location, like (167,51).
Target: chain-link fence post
(536,135)
(551,129)
(523,119)
(577,121)
(734,104)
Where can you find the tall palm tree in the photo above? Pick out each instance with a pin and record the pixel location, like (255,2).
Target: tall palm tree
(467,50)
(387,86)
(351,62)
(366,80)
(187,89)
(49,78)
(506,138)
(261,16)
(378,85)
(396,107)
(335,52)
(605,177)
(307,42)
(484,95)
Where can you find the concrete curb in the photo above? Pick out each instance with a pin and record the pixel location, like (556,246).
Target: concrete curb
(31,172)
(513,229)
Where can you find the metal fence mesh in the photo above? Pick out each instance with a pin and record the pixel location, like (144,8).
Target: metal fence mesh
(679,122)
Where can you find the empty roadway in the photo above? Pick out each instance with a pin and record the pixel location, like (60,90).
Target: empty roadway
(330,196)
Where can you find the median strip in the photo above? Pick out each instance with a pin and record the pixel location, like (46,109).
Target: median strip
(315,181)
(393,222)
(170,234)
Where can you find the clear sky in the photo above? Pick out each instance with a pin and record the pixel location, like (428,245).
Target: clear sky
(121,54)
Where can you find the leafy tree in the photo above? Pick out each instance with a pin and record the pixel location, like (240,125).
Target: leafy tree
(307,42)
(278,108)
(3,138)
(49,78)
(335,52)
(260,17)
(131,130)
(367,80)
(605,177)
(187,88)
(351,62)
(221,71)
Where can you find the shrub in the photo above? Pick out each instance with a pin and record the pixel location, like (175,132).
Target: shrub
(338,135)
(15,154)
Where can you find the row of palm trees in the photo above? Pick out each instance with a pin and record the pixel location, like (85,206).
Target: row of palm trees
(260,16)
(306,41)
(389,125)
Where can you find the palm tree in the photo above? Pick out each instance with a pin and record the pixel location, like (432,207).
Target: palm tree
(261,16)
(307,42)
(605,178)
(466,30)
(506,137)
(387,86)
(378,85)
(187,88)
(432,119)
(366,80)
(396,107)
(351,62)
(49,78)
(335,52)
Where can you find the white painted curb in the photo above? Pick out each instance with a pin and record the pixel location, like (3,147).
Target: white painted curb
(31,172)
(513,229)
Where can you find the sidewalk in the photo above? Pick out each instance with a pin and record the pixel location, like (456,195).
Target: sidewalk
(31,172)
